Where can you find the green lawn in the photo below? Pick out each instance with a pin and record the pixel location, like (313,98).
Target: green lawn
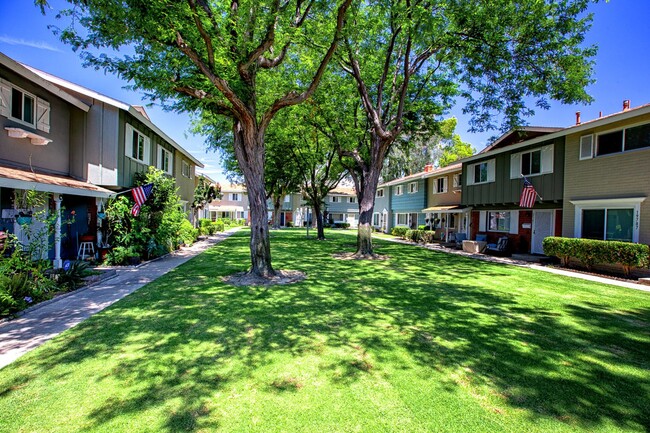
(423,342)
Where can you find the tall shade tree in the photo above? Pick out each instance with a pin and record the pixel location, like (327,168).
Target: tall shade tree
(230,58)
(409,59)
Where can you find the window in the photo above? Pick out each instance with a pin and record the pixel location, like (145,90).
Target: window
(185,169)
(586,147)
(23,107)
(399,190)
(375,219)
(531,162)
(335,199)
(380,192)
(165,162)
(413,187)
(457,182)
(440,185)
(287,198)
(632,138)
(499,221)
(451,221)
(608,224)
(234,196)
(482,172)
(401,219)
(136,145)
(337,217)
(353,199)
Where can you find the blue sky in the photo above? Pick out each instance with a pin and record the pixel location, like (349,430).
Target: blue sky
(620,29)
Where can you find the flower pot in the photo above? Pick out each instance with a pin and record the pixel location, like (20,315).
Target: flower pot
(103,252)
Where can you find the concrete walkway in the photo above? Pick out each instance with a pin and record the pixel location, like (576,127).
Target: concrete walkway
(47,320)
(523,263)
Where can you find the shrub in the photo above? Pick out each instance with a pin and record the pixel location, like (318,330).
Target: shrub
(73,277)
(414,235)
(218,226)
(428,236)
(422,227)
(341,225)
(398,231)
(289,224)
(591,252)
(187,234)
(204,226)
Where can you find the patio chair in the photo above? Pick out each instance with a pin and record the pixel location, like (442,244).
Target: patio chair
(460,237)
(481,238)
(500,249)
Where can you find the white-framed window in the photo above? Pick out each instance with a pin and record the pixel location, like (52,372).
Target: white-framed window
(287,198)
(376,219)
(401,219)
(413,187)
(137,145)
(399,190)
(380,192)
(24,107)
(532,162)
(353,199)
(609,219)
(335,199)
(481,172)
(622,140)
(499,221)
(457,182)
(587,146)
(440,185)
(337,217)
(235,196)
(185,169)
(165,160)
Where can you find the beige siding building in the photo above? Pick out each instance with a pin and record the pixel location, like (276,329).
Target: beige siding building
(607,178)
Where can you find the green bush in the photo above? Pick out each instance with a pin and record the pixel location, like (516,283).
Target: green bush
(591,252)
(414,235)
(422,227)
(218,226)
(398,231)
(340,225)
(188,234)
(204,226)
(73,277)
(428,236)
(289,224)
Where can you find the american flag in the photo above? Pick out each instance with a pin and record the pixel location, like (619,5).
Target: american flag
(528,195)
(140,195)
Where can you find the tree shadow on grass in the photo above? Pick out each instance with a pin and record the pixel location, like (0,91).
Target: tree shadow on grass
(186,338)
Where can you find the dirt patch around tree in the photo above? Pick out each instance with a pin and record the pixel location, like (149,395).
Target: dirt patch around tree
(355,256)
(281,277)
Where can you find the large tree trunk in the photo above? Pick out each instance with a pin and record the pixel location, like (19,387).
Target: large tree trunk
(366,184)
(247,143)
(318,214)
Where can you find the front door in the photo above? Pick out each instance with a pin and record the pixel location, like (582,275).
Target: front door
(542,228)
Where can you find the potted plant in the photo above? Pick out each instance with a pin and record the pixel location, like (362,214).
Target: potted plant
(132,257)
(24,203)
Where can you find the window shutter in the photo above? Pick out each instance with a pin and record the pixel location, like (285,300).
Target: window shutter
(42,115)
(515,166)
(586,147)
(490,164)
(514,222)
(5,98)
(147,150)
(547,159)
(482,221)
(128,140)
(444,184)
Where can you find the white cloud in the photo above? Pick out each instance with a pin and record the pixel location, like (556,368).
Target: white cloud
(25,43)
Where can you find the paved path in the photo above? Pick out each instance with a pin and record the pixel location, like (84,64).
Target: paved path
(523,263)
(46,321)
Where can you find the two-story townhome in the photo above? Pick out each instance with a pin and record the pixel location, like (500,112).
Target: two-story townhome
(607,177)
(493,181)
(342,207)
(381,214)
(120,140)
(41,141)
(408,197)
(444,213)
(233,203)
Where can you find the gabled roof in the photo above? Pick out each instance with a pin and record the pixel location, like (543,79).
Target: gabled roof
(611,118)
(518,135)
(27,73)
(342,190)
(233,188)
(457,166)
(136,111)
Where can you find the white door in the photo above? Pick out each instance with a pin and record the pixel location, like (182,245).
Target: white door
(542,228)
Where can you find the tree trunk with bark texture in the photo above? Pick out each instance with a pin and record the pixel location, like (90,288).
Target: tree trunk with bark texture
(318,214)
(367,189)
(276,211)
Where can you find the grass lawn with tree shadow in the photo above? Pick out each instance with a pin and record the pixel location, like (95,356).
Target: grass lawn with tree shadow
(422,342)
